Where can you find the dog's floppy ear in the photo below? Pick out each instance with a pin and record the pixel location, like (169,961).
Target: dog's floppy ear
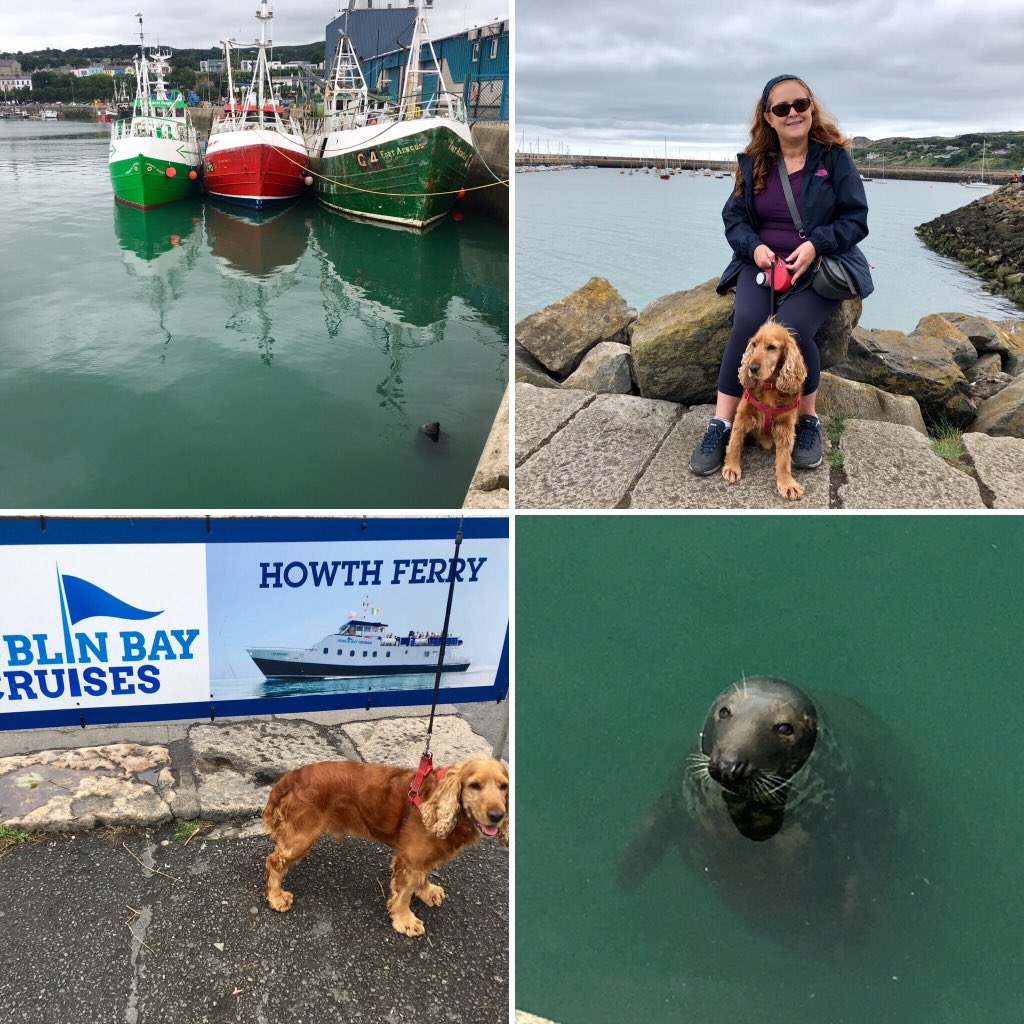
(440,811)
(747,379)
(794,371)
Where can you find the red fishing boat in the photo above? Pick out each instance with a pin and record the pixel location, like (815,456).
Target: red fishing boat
(256,155)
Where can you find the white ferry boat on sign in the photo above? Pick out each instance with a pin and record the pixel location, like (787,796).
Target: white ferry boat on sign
(362,646)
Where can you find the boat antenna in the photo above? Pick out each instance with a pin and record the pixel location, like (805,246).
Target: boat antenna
(142,37)
(264,15)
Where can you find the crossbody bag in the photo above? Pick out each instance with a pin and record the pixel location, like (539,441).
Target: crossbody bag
(829,278)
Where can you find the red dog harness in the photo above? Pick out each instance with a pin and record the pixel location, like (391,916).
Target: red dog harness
(425,768)
(768,410)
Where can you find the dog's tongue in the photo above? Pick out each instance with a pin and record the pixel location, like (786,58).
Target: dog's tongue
(489,830)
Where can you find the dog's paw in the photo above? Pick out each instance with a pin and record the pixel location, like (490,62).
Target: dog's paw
(408,924)
(432,895)
(732,473)
(280,901)
(791,490)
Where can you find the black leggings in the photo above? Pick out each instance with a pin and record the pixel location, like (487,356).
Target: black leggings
(803,313)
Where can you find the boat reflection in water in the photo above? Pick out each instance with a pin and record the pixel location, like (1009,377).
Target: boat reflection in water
(404,290)
(158,248)
(257,253)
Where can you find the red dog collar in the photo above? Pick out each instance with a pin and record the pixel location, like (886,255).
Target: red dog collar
(768,410)
(425,768)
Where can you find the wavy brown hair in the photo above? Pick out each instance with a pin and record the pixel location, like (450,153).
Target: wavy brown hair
(763,148)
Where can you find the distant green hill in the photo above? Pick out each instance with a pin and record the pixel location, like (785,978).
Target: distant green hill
(1003,151)
(37,60)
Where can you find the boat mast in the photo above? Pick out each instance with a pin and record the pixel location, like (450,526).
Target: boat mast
(262,71)
(413,76)
(142,74)
(231,84)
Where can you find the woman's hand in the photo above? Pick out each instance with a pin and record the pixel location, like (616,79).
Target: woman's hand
(800,259)
(764,257)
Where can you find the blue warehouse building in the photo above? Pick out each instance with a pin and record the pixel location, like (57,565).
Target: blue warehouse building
(474,63)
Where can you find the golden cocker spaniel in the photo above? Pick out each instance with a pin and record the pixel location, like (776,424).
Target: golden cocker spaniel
(772,373)
(372,801)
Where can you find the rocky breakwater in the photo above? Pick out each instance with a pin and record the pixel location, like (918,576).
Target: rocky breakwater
(609,404)
(986,235)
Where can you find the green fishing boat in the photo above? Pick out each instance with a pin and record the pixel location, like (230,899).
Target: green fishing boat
(154,154)
(400,160)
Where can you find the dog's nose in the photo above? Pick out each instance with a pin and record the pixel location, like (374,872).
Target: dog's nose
(755,367)
(495,816)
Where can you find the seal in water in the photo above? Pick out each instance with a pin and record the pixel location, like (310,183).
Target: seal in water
(785,809)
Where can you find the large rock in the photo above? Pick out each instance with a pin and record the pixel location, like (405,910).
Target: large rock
(999,463)
(891,466)
(677,344)
(833,337)
(594,461)
(938,329)
(921,367)
(989,336)
(605,369)
(852,400)
(1013,358)
(529,371)
(1003,415)
(561,334)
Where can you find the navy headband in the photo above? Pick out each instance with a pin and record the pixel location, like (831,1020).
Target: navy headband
(771,85)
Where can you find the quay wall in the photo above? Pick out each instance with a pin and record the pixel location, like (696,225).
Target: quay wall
(1000,177)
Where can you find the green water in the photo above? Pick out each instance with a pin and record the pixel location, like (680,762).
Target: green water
(634,625)
(194,356)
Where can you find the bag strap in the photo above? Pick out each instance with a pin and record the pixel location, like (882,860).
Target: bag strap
(787,190)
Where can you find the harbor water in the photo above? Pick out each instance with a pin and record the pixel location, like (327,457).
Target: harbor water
(635,624)
(199,356)
(650,237)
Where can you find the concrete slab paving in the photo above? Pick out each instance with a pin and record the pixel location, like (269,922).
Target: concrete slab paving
(401,740)
(668,483)
(594,461)
(893,466)
(541,412)
(999,462)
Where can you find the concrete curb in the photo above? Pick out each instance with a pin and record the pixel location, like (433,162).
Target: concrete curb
(152,774)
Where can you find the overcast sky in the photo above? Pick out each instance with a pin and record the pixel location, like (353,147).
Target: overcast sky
(620,78)
(199,23)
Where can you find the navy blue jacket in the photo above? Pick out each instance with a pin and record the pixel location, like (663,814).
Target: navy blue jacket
(832,205)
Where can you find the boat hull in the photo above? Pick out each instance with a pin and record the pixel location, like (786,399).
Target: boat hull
(274,668)
(255,173)
(139,171)
(406,173)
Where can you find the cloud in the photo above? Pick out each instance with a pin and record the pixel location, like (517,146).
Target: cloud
(596,76)
(200,24)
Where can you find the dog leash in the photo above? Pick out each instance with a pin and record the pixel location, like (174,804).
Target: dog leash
(426,765)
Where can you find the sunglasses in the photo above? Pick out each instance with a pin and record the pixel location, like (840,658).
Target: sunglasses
(782,109)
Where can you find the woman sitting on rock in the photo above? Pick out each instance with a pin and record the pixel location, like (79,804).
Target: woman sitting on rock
(830,197)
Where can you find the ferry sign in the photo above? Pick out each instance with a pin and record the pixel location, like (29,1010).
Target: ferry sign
(126,620)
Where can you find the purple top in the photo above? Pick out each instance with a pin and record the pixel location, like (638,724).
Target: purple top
(777,229)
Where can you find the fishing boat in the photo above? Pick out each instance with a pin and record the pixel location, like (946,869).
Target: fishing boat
(154,154)
(401,160)
(256,155)
(361,646)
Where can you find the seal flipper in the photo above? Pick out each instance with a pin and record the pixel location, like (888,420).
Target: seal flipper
(647,848)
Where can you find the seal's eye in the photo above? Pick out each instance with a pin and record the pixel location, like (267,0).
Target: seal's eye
(784,729)
(724,713)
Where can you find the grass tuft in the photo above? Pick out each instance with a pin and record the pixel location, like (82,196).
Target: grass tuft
(947,442)
(12,836)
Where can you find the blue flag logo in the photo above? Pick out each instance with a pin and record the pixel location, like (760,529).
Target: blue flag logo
(85,599)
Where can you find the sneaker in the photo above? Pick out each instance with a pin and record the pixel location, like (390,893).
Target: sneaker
(807,445)
(708,456)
